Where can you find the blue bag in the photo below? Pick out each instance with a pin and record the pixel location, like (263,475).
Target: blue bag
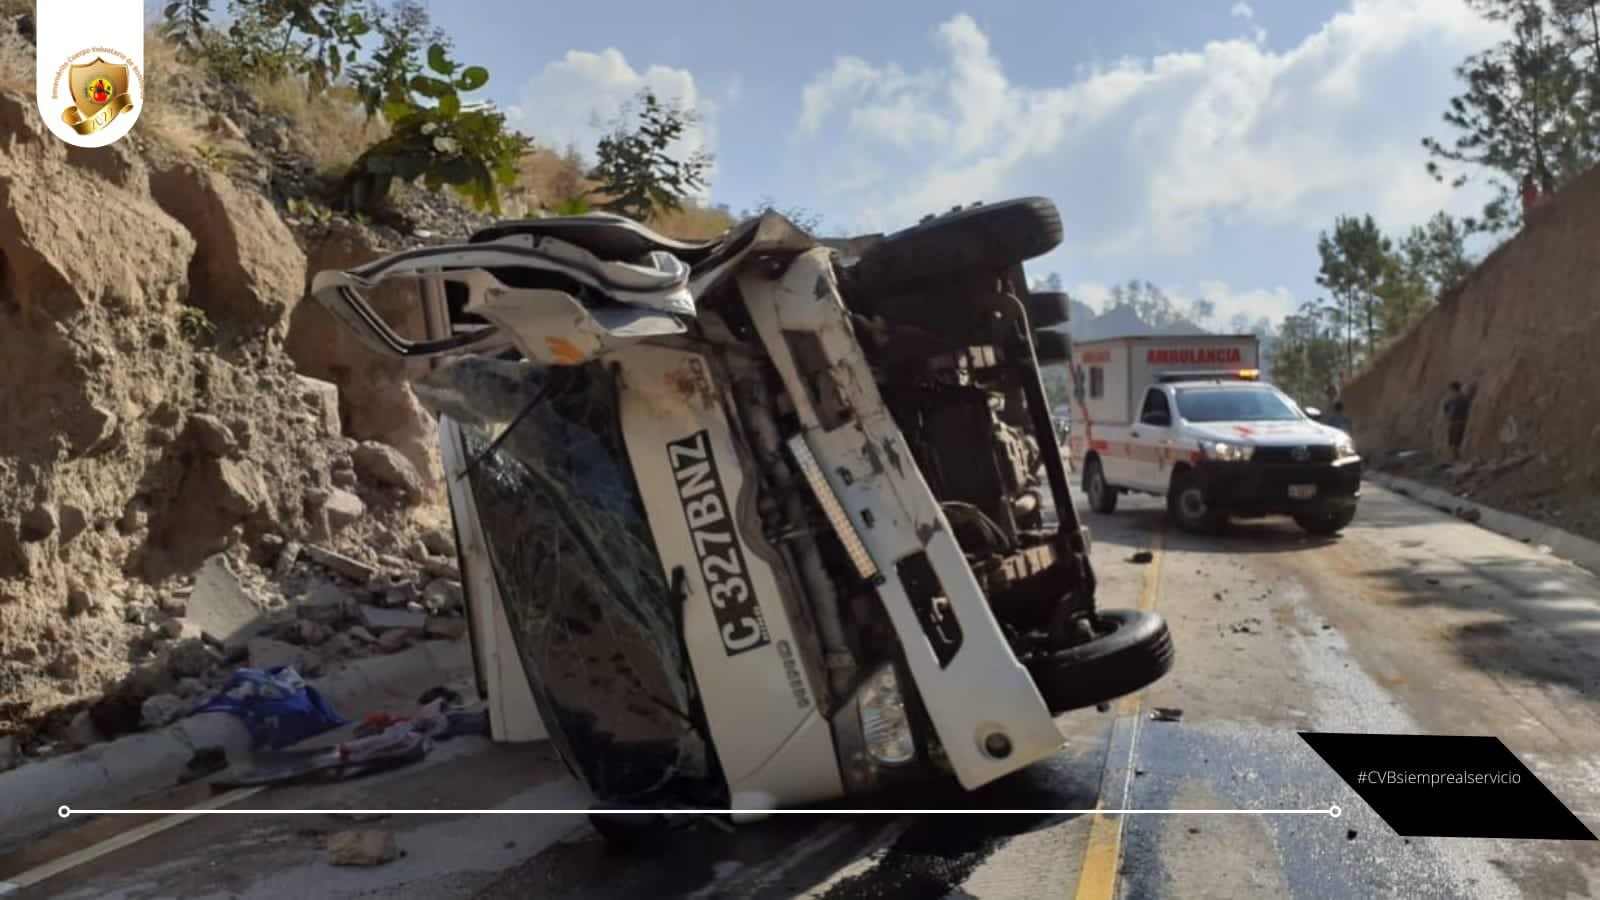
(277,706)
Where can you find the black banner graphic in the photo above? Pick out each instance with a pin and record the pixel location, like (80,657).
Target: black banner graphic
(1447,786)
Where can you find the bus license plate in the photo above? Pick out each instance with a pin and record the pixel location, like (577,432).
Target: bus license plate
(1302,491)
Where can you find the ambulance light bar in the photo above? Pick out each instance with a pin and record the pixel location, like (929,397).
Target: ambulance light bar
(1229,375)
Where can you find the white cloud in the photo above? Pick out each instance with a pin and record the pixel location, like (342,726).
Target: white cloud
(1242,10)
(575,100)
(1167,149)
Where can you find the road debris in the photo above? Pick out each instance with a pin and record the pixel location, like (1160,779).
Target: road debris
(362,848)
(1142,556)
(278,708)
(1166,714)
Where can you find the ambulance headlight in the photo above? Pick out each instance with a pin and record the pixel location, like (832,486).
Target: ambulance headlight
(1224,451)
(1345,449)
(884,723)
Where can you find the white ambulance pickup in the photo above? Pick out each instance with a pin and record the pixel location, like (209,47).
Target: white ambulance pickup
(1187,418)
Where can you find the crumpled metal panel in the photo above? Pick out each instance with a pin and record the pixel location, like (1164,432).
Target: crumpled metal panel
(593,619)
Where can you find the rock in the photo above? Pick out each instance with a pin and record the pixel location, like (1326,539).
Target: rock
(343,508)
(66,665)
(215,495)
(115,163)
(248,269)
(327,604)
(42,241)
(189,688)
(444,627)
(355,570)
(81,731)
(223,126)
(345,478)
(385,466)
(439,542)
(159,710)
(10,752)
(394,641)
(322,397)
(189,658)
(361,634)
(220,608)
(379,619)
(443,595)
(1141,556)
(37,524)
(173,629)
(362,848)
(287,557)
(314,633)
(392,563)
(116,715)
(74,521)
(266,653)
(417,550)
(211,436)
(442,568)
(175,607)
(78,602)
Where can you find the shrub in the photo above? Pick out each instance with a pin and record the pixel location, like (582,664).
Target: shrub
(635,172)
(433,136)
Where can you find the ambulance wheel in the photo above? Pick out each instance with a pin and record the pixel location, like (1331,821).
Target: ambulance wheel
(1102,496)
(1130,649)
(1325,524)
(1189,506)
(991,236)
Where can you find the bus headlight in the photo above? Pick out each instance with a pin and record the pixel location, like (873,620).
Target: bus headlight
(1224,451)
(884,723)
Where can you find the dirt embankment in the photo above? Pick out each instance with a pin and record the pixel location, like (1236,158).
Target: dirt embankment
(1524,329)
(157,420)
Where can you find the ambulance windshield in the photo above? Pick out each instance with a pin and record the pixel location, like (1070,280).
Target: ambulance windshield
(1234,404)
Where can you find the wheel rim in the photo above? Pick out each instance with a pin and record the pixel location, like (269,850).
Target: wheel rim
(1097,486)
(1192,503)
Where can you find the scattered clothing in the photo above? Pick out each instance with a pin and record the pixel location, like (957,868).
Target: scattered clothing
(277,706)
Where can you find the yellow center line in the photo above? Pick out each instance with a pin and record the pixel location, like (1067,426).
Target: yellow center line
(1097,879)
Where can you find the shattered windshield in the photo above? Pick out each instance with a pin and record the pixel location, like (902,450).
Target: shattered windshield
(582,585)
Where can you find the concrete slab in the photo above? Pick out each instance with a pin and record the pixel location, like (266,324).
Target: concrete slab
(220,608)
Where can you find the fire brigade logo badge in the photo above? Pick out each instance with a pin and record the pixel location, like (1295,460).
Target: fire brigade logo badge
(100,93)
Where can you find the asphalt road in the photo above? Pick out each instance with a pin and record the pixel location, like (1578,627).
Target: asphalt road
(1409,622)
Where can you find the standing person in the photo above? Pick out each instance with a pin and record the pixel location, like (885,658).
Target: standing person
(1337,418)
(1530,194)
(1457,406)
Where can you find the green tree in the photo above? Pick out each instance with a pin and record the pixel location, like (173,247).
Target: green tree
(803,218)
(1148,302)
(1355,258)
(1436,253)
(1529,105)
(1306,355)
(636,171)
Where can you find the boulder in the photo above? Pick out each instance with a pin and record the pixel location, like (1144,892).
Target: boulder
(266,653)
(342,507)
(362,848)
(384,466)
(43,232)
(439,542)
(159,710)
(210,436)
(322,398)
(326,604)
(443,595)
(248,271)
(189,658)
(220,608)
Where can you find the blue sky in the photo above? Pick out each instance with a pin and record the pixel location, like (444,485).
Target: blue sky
(1200,144)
